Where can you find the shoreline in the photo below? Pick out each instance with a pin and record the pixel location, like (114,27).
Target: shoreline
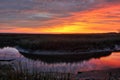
(109,74)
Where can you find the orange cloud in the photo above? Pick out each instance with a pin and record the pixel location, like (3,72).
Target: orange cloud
(97,20)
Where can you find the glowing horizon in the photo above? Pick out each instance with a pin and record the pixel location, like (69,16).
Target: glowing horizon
(56,17)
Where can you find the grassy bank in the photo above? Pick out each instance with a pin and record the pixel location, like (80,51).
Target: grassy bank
(9,72)
(66,42)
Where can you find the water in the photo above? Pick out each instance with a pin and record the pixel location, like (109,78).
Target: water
(73,65)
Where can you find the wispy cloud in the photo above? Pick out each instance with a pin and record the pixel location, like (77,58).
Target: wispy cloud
(17,14)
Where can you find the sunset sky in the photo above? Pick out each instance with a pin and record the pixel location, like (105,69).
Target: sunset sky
(59,16)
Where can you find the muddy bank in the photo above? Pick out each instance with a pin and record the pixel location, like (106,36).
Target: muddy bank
(110,74)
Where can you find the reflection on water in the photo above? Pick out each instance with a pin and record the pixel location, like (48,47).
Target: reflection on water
(71,58)
(91,63)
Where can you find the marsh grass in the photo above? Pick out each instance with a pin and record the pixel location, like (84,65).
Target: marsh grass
(20,72)
(61,42)
(26,69)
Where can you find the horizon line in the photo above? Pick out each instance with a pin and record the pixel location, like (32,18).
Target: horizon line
(60,33)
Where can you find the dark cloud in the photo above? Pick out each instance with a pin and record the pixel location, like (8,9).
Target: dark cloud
(113,1)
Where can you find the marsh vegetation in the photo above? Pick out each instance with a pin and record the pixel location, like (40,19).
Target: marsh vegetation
(61,42)
(55,42)
(10,72)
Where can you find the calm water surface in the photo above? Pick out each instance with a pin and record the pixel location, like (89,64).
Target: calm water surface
(105,62)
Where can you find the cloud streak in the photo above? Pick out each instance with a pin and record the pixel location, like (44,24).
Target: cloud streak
(50,15)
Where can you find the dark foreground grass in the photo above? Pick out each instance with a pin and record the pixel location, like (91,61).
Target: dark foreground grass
(7,72)
(109,74)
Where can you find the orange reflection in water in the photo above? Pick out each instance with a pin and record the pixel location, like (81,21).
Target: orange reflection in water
(113,60)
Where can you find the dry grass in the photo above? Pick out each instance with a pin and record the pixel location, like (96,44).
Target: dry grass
(10,72)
